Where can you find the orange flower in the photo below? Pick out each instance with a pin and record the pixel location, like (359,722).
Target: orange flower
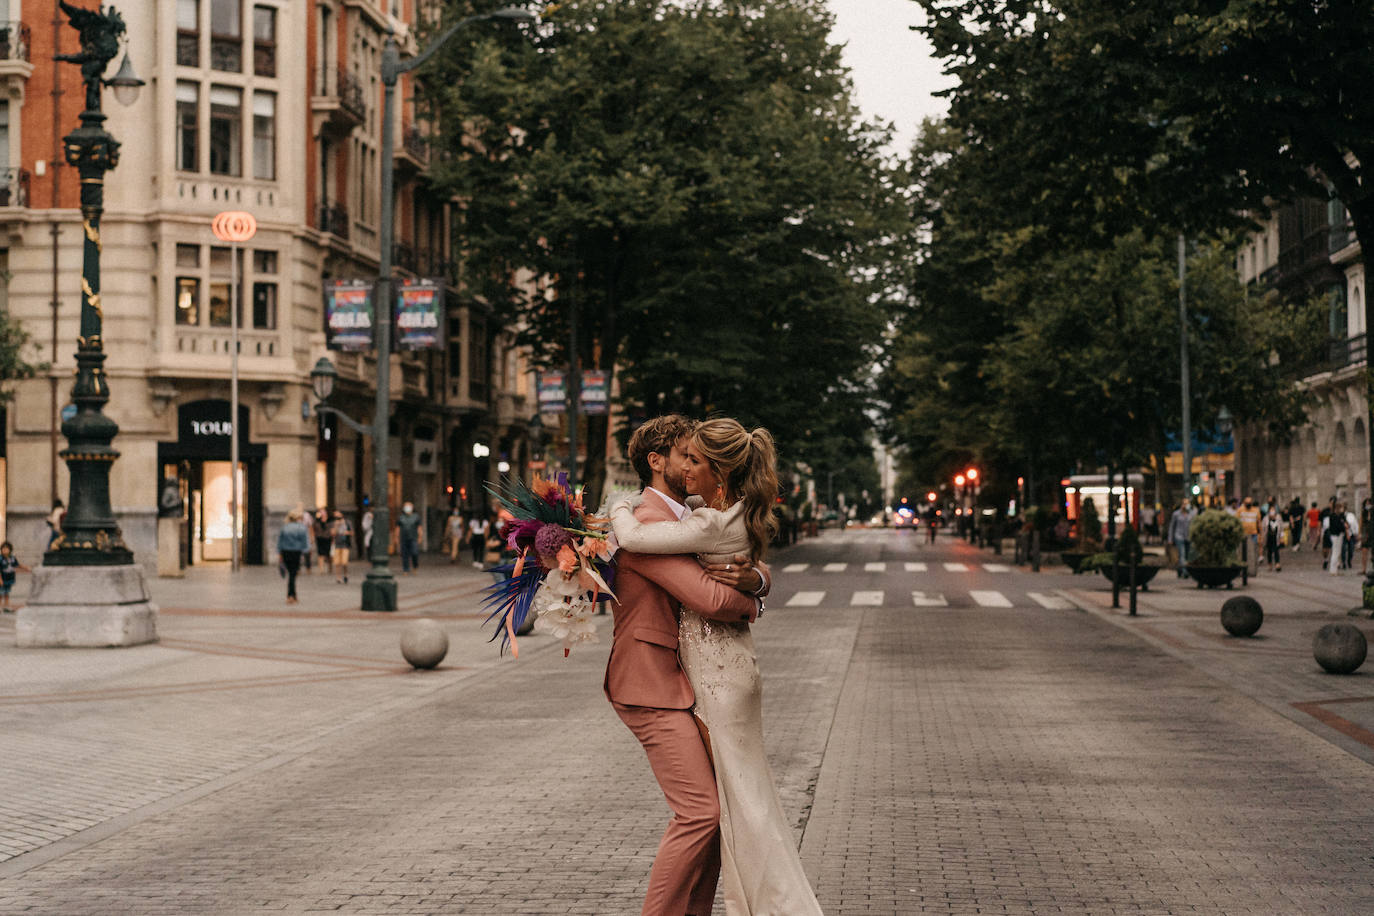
(567,559)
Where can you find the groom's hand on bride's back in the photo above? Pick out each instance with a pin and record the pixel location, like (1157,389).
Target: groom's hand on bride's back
(740,573)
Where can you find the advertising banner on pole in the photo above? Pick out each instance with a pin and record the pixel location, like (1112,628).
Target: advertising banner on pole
(553,396)
(596,394)
(419,315)
(348,314)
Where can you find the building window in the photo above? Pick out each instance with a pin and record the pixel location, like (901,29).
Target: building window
(264,41)
(265,135)
(188,288)
(226,118)
(220,274)
(188,127)
(264,290)
(226,36)
(477,361)
(188,33)
(264,306)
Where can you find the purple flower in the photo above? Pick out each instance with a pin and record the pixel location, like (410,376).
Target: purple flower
(551,539)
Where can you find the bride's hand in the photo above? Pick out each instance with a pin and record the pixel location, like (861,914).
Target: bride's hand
(739,573)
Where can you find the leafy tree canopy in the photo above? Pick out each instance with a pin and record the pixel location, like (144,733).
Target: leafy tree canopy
(690,184)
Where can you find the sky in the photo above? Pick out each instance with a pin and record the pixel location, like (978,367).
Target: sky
(893,71)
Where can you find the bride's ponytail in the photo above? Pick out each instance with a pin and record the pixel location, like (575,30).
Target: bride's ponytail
(747,463)
(758,487)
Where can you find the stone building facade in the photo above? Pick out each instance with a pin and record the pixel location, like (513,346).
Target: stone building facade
(271,107)
(1308,248)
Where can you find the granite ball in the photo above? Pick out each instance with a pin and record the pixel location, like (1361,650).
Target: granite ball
(1340,648)
(424,643)
(1241,616)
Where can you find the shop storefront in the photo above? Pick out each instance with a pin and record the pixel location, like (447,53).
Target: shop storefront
(197,467)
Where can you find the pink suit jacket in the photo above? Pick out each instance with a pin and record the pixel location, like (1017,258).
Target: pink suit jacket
(643,669)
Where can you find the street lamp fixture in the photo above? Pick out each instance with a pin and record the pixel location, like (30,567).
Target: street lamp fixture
(125,83)
(322,378)
(958,480)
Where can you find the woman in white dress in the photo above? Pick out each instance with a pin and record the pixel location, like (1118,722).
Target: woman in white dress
(733,471)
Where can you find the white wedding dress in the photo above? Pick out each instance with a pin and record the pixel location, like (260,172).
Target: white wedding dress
(761,873)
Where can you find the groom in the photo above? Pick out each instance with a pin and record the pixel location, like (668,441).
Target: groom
(646,685)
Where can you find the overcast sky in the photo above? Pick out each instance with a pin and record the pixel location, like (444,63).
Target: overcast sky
(894,75)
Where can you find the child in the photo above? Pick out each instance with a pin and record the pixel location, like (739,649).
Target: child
(8,564)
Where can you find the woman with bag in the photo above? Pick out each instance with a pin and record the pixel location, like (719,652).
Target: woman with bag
(342,544)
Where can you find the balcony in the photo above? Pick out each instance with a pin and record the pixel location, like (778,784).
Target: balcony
(14,188)
(412,152)
(334,220)
(1335,355)
(339,103)
(15,67)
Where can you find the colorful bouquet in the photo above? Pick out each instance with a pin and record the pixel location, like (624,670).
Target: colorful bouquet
(562,568)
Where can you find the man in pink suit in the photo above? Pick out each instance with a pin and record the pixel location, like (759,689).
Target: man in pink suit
(647,687)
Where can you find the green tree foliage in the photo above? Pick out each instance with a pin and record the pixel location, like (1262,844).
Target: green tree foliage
(14,340)
(1172,114)
(692,186)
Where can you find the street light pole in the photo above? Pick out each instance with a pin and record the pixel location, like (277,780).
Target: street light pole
(379,588)
(88,592)
(1183,366)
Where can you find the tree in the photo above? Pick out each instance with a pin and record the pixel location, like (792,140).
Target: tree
(1184,115)
(13,365)
(693,188)
(1031,358)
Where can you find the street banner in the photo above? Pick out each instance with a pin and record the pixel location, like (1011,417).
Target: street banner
(553,396)
(348,314)
(419,315)
(595,391)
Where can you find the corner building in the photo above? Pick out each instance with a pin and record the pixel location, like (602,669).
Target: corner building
(272,107)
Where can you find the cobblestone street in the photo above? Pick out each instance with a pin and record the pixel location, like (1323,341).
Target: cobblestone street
(965,758)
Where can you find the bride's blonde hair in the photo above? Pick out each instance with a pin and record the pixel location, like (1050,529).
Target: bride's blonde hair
(746,463)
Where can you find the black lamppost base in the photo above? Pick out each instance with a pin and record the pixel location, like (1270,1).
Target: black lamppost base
(379,593)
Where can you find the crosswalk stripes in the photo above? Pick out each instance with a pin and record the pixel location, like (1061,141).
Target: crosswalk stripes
(835,567)
(805,599)
(956,567)
(921,599)
(915,567)
(875,567)
(984,598)
(1050,602)
(795,567)
(996,567)
(867,599)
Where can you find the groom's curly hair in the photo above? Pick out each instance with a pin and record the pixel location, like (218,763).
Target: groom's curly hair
(657,435)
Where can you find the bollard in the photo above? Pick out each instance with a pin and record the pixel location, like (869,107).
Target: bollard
(424,643)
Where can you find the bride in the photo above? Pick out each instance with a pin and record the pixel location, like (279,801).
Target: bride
(732,470)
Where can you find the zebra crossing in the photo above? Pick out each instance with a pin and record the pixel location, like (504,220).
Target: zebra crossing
(978,597)
(919,598)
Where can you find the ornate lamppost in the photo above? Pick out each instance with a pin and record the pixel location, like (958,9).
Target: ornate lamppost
(64,606)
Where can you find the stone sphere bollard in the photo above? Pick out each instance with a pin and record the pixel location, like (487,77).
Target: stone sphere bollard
(424,643)
(1242,615)
(1340,648)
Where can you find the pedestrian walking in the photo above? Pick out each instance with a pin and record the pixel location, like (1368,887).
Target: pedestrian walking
(1179,525)
(9,565)
(411,532)
(453,532)
(1335,538)
(341,531)
(1249,515)
(324,539)
(1273,539)
(1366,533)
(478,526)
(1314,528)
(1352,537)
(367,523)
(293,541)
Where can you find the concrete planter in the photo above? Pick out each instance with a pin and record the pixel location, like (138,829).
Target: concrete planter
(1213,576)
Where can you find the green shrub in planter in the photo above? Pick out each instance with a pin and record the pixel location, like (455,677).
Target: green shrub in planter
(1215,539)
(1127,543)
(1368,593)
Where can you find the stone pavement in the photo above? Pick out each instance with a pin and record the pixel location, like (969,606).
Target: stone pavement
(944,760)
